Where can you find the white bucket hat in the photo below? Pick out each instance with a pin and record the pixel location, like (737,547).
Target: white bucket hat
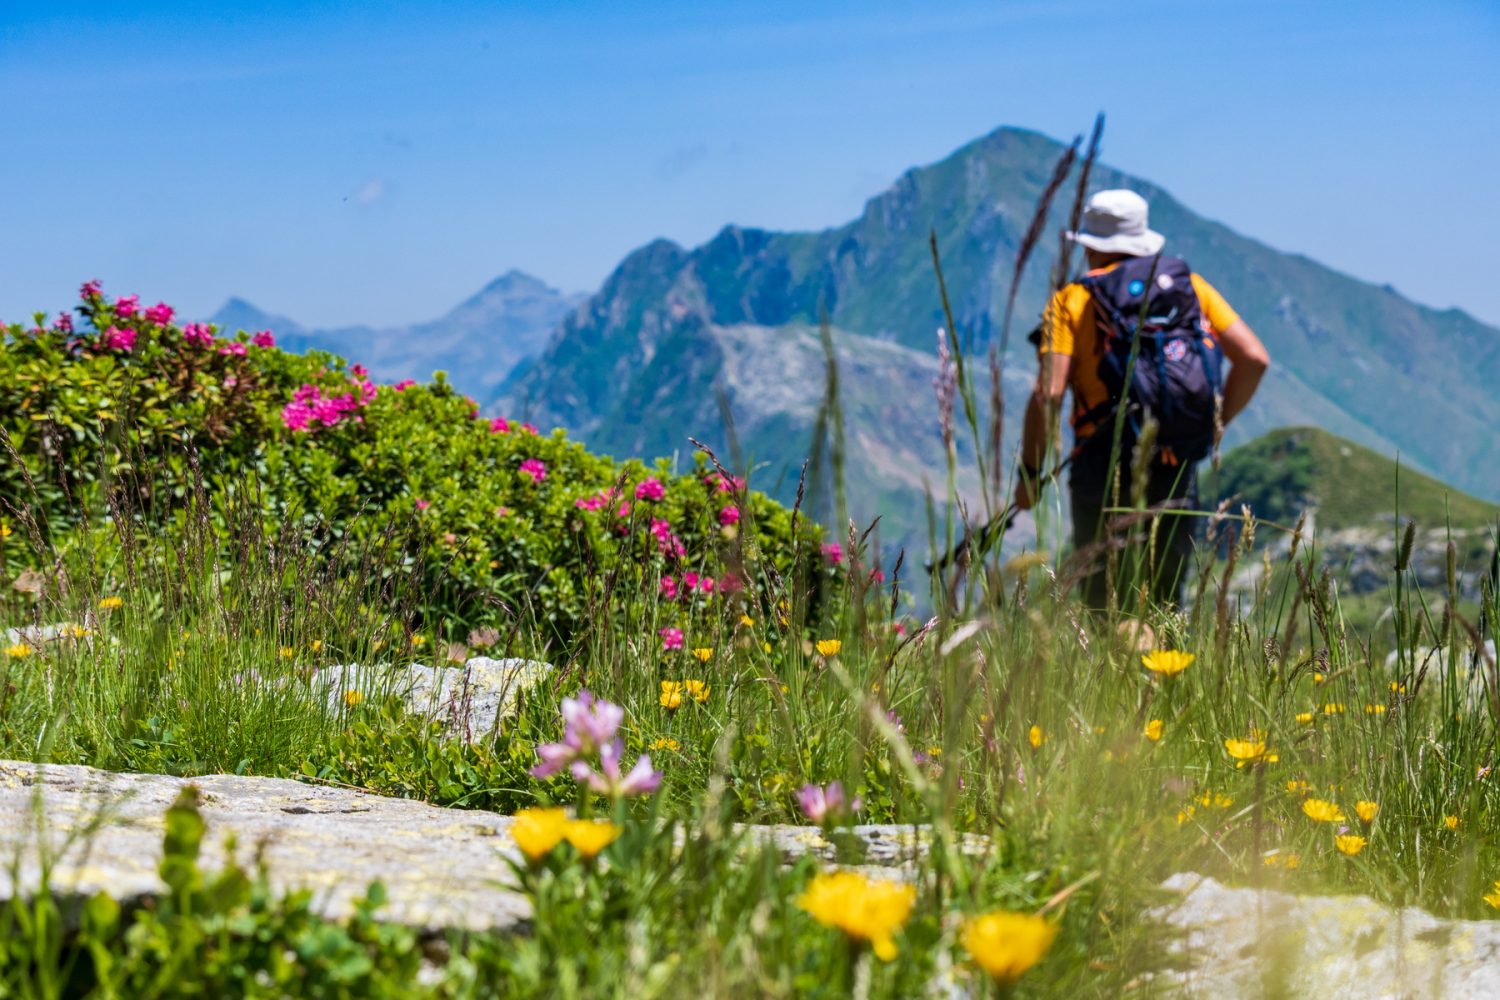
(1115,222)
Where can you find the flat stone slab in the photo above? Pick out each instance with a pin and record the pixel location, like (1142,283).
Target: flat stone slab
(1262,943)
(442,868)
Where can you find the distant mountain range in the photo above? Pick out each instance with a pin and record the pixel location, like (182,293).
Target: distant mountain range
(479,343)
(674,334)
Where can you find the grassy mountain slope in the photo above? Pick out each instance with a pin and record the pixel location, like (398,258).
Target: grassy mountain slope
(1354,358)
(1294,468)
(481,341)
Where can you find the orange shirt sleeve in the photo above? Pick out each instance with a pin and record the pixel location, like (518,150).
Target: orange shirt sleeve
(1219,313)
(1063,319)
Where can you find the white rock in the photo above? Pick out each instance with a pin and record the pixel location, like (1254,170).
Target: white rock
(469,700)
(1261,943)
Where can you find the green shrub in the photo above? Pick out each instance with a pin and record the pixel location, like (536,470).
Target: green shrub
(125,413)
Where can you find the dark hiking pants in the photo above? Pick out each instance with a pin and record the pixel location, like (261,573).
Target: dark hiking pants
(1166,566)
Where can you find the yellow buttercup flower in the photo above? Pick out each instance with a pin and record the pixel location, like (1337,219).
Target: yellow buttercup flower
(1154,729)
(1322,811)
(590,836)
(1034,736)
(747,621)
(1247,751)
(697,690)
(1006,944)
(1304,717)
(353,697)
(1167,661)
(5,531)
(111,603)
(1493,896)
(1451,822)
(317,644)
(1366,810)
(536,831)
(671,694)
(870,910)
(1333,708)
(1374,709)
(1298,786)
(1350,843)
(286,652)
(17,651)
(666,743)
(1319,678)
(703,654)
(829,647)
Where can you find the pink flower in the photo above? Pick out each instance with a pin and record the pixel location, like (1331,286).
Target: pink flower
(723,483)
(588,725)
(833,552)
(234,349)
(706,585)
(729,515)
(535,469)
(127,306)
(729,584)
(266,339)
(501,426)
(63,323)
(529,428)
(624,509)
(640,780)
(593,502)
(296,416)
(91,289)
(404,384)
(198,333)
(667,588)
(671,638)
(826,804)
(690,580)
(117,339)
(650,488)
(160,314)
(877,576)
(423,504)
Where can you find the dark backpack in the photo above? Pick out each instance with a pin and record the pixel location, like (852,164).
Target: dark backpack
(1178,369)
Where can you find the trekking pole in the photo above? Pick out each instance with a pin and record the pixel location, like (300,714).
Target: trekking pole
(1001,522)
(998,525)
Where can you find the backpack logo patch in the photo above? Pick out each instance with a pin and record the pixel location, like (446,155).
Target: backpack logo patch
(1137,287)
(1175,350)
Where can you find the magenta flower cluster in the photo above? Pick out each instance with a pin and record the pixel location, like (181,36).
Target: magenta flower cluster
(500,425)
(119,338)
(651,489)
(591,728)
(667,542)
(309,408)
(534,469)
(692,582)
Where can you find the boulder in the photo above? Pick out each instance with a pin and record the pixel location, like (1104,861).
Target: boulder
(469,700)
(1262,943)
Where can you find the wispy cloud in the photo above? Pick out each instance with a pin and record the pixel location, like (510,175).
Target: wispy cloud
(682,159)
(373,190)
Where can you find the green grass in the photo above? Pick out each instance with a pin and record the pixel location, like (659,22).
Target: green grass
(1095,815)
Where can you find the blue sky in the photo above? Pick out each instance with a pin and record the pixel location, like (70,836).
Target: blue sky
(378,162)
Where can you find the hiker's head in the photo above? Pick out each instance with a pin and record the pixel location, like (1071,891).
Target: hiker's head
(1115,226)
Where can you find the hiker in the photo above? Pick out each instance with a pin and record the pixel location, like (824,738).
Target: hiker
(1084,344)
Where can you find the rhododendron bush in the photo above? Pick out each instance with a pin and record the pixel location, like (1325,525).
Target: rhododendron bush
(497,519)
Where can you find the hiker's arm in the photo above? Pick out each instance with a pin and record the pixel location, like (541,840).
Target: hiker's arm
(1248,361)
(1040,426)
